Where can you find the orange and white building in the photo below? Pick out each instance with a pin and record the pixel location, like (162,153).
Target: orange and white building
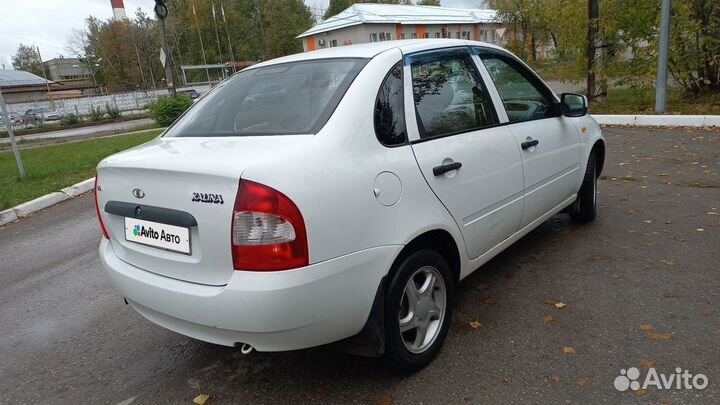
(368,22)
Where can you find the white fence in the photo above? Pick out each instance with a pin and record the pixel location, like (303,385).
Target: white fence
(133,101)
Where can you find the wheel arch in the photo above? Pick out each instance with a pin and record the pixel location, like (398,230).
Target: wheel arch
(370,341)
(439,240)
(599,149)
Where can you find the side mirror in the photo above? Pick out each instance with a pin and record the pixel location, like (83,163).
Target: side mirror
(573,105)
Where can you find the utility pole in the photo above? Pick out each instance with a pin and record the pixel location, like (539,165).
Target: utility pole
(661,81)
(47,83)
(161,11)
(11,134)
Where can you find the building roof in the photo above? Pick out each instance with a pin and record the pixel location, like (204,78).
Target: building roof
(367,13)
(17,78)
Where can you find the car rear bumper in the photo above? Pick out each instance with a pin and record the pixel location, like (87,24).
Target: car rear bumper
(272,311)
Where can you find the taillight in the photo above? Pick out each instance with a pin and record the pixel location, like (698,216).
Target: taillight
(97,209)
(268,231)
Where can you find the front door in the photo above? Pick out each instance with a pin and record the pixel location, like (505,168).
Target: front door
(550,143)
(471,163)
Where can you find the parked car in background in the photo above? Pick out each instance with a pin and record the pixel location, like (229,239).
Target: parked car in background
(15,119)
(35,115)
(349,208)
(194,94)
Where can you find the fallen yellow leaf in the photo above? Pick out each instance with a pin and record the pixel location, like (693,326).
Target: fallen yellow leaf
(700,230)
(569,350)
(646,328)
(560,305)
(201,399)
(645,363)
(384,400)
(555,378)
(660,336)
(550,301)
(705,312)
(640,392)
(475,324)
(490,301)
(581,381)
(548,318)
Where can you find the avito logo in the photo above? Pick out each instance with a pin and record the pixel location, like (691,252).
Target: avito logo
(141,231)
(679,380)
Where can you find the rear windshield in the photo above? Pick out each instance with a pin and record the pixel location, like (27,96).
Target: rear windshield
(286,99)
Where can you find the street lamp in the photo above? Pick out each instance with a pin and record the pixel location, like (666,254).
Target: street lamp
(161,11)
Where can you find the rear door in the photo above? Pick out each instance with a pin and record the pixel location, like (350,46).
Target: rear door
(550,143)
(471,162)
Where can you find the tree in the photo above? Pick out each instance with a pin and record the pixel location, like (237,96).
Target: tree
(428,3)
(695,45)
(26,58)
(336,6)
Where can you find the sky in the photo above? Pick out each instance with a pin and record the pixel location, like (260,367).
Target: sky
(49,23)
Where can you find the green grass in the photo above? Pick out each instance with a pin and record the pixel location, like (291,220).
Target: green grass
(642,101)
(51,168)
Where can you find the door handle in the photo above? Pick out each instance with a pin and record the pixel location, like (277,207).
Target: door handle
(529,144)
(442,169)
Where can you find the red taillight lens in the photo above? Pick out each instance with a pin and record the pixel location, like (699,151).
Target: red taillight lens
(268,231)
(97,209)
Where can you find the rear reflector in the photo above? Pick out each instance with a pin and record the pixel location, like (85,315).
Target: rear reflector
(268,231)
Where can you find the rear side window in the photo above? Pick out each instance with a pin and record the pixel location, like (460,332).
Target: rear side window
(285,99)
(449,95)
(389,117)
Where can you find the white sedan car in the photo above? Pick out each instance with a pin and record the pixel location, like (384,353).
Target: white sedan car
(340,195)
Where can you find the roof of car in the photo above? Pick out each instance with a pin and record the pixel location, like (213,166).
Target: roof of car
(370,50)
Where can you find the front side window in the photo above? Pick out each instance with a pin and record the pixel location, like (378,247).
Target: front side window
(449,95)
(523,96)
(389,117)
(284,99)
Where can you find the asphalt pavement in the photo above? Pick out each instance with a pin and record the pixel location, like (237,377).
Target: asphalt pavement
(641,288)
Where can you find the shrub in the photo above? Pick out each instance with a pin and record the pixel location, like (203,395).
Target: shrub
(167,109)
(70,119)
(96,114)
(112,112)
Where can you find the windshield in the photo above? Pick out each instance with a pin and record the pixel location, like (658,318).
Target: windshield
(284,99)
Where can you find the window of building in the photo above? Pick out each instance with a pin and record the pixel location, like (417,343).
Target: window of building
(402,35)
(332,43)
(413,35)
(385,36)
(374,37)
(449,95)
(389,117)
(437,35)
(466,35)
(427,35)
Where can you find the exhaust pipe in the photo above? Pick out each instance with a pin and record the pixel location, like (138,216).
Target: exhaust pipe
(246,349)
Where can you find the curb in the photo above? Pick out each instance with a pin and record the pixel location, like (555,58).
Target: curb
(694,121)
(27,208)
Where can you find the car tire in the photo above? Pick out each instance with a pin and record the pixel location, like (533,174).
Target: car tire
(585,208)
(414,332)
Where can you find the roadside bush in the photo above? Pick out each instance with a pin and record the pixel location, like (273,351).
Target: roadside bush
(112,112)
(167,109)
(96,114)
(70,119)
